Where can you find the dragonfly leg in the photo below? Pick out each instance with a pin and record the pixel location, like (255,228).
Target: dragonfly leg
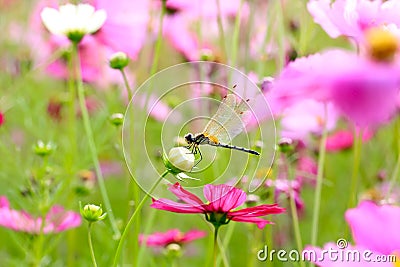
(197,150)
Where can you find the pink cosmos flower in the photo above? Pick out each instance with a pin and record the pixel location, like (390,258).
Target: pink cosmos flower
(352,17)
(374,228)
(307,117)
(222,200)
(178,27)
(57,220)
(344,139)
(363,90)
(1,118)
(124,30)
(171,236)
(287,187)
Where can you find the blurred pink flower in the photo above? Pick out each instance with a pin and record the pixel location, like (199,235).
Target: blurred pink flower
(363,90)
(180,27)
(171,236)
(287,187)
(222,200)
(375,229)
(306,170)
(352,17)
(307,117)
(1,118)
(124,30)
(57,220)
(344,139)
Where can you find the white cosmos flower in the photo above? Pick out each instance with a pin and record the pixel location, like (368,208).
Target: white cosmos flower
(73,21)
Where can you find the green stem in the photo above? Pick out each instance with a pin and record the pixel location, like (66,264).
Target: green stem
(216,228)
(397,167)
(132,219)
(235,41)
(356,168)
(91,245)
(157,48)
(135,187)
(281,36)
(92,145)
(304,30)
(318,189)
(221,31)
(126,82)
(295,217)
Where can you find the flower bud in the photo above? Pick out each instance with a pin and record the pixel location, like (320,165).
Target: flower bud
(285,145)
(173,250)
(180,159)
(92,213)
(42,149)
(119,60)
(117,119)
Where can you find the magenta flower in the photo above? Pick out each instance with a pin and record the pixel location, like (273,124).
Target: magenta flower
(173,236)
(57,220)
(222,200)
(344,139)
(363,90)
(352,18)
(374,228)
(1,118)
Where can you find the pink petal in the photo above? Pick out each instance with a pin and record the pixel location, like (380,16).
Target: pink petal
(375,227)
(223,198)
(261,223)
(169,205)
(257,211)
(185,195)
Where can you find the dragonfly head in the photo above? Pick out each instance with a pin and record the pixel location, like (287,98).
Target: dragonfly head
(189,138)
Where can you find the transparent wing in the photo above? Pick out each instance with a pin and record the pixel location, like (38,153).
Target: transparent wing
(223,114)
(228,125)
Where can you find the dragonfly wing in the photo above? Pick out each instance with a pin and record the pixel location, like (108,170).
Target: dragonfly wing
(223,114)
(235,124)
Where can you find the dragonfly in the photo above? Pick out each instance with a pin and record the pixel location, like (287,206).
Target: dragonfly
(227,123)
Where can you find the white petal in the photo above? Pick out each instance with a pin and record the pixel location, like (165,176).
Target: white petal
(51,19)
(96,21)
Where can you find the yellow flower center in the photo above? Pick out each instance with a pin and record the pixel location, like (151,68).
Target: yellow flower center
(382,44)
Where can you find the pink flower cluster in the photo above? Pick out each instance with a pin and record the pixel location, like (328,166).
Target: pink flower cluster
(57,220)
(173,236)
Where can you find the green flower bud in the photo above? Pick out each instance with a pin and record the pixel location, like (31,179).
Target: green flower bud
(119,60)
(285,145)
(173,251)
(117,119)
(42,149)
(92,213)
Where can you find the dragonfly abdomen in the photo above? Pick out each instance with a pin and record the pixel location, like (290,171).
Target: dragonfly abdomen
(237,148)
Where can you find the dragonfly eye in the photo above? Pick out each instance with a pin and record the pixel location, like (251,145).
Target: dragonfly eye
(189,137)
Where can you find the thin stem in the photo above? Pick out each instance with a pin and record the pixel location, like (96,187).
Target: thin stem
(293,209)
(126,82)
(221,30)
(397,167)
(320,175)
(281,36)
(91,245)
(132,219)
(216,228)
(235,41)
(135,188)
(92,145)
(356,168)
(157,48)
